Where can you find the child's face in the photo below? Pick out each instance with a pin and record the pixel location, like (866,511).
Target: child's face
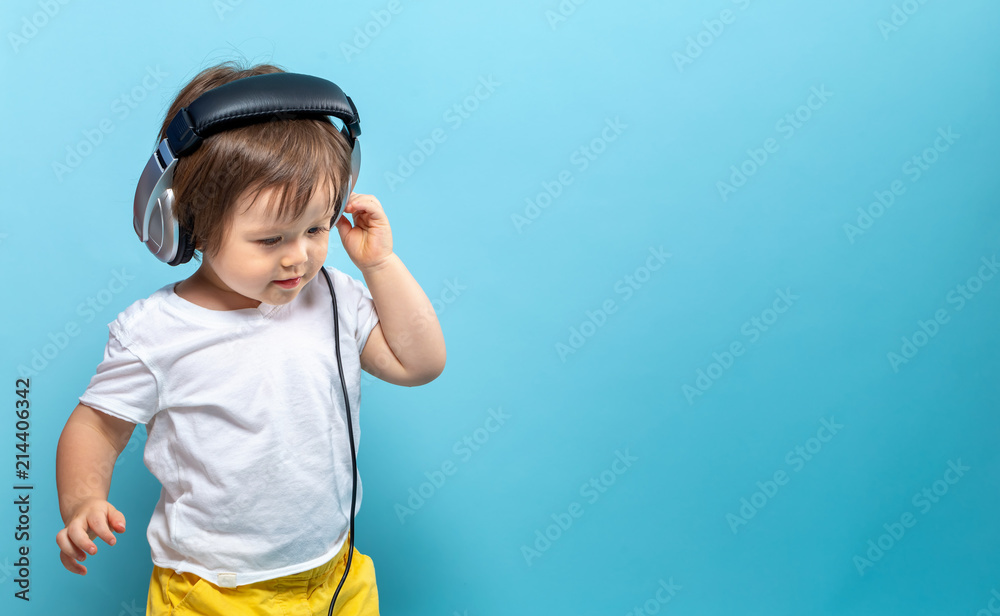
(258,251)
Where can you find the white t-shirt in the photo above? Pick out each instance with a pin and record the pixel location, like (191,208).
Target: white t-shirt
(246,425)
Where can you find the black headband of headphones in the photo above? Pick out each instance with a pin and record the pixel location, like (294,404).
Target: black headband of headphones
(250,100)
(255,99)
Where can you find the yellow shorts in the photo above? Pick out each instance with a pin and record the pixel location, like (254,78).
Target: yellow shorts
(301,594)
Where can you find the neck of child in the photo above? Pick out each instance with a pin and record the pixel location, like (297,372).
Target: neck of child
(205,289)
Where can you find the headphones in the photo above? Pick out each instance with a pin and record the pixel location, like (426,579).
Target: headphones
(250,100)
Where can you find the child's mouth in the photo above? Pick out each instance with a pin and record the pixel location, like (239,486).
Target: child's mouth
(291,283)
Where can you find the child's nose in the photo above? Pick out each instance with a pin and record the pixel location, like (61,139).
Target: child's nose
(296,253)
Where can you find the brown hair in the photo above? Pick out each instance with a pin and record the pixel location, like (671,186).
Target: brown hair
(293,156)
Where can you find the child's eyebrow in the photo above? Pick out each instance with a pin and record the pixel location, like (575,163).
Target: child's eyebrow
(277,229)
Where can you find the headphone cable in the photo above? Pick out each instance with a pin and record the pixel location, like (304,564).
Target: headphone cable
(350,432)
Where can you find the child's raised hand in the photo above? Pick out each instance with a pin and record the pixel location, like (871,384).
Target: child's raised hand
(369,241)
(94,518)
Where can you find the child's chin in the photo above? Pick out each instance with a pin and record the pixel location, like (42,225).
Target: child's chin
(284,296)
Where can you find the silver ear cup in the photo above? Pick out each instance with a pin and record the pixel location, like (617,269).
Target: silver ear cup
(153,208)
(355,162)
(352,181)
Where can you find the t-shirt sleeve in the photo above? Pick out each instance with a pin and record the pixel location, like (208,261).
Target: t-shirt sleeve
(366,318)
(124,386)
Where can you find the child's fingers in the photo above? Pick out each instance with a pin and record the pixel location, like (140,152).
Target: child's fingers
(363,204)
(67,548)
(78,535)
(116,519)
(98,521)
(72,565)
(343,226)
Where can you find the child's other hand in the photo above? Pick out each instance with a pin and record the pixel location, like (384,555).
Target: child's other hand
(94,518)
(369,241)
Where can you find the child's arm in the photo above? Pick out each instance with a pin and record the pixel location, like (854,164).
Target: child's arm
(88,447)
(406,347)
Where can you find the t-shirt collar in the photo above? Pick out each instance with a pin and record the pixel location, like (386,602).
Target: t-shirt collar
(214,316)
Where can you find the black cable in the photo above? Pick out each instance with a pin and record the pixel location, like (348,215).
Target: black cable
(350,433)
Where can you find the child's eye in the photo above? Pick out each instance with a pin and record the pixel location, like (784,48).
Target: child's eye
(273,241)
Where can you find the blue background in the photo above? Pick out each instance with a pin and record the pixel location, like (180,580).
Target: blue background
(697,93)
